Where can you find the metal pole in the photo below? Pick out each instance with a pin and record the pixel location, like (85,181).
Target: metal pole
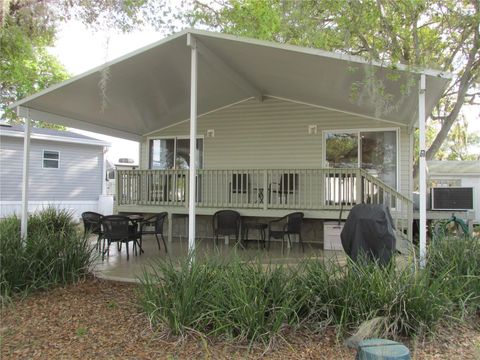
(422,172)
(193,145)
(26,160)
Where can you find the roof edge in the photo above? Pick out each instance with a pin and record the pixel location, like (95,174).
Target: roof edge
(47,137)
(320,52)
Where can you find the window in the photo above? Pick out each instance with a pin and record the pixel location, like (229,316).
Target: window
(374,151)
(51,159)
(173,153)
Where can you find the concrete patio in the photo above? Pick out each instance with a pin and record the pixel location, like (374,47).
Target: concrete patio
(116,267)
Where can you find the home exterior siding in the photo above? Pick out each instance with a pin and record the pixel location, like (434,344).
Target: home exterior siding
(78,178)
(274,134)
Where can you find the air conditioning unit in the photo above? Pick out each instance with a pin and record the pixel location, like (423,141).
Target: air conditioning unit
(452,198)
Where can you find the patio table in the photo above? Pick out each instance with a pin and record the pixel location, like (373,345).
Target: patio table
(261,227)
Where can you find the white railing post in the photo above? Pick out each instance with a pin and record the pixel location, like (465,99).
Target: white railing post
(359,185)
(266,194)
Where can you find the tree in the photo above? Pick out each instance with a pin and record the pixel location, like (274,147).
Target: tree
(442,34)
(28,28)
(25,65)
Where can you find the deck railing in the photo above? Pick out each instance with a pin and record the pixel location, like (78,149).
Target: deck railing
(305,189)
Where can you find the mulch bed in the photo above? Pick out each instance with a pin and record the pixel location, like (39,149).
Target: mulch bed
(97,319)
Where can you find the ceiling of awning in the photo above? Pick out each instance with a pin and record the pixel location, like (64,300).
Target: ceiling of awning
(149,89)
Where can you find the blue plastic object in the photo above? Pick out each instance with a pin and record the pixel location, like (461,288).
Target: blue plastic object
(382,349)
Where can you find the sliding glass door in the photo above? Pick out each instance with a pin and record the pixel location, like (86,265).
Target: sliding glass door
(374,151)
(173,154)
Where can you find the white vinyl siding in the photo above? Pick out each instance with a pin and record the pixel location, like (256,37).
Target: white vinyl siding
(78,178)
(274,134)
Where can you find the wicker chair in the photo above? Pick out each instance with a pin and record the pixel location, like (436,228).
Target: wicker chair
(92,224)
(156,223)
(226,222)
(292,225)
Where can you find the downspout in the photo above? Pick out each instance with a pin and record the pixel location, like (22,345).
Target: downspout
(25,177)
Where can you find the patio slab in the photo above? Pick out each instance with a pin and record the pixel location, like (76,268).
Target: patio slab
(116,267)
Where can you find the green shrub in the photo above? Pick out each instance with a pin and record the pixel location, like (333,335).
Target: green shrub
(255,302)
(54,252)
(228,298)
(457,262)
(347,296)
(178,295)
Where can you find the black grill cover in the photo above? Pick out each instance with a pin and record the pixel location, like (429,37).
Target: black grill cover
(369,229)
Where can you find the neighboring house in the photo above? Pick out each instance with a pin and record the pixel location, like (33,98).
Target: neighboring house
(444,173)
(66,170)
(280,128)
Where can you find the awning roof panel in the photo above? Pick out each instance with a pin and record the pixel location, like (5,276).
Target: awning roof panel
(150,88)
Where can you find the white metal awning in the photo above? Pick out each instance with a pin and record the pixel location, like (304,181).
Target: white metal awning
(149,89)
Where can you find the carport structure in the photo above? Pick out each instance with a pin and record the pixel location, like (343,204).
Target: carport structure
(194,73)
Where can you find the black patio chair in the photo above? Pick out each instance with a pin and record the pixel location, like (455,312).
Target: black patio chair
(92,224)
(226,222)
(155,223)
(292,224)
(119,229)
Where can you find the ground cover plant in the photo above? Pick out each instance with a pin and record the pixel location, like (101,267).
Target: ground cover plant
(54,252)
(248,301)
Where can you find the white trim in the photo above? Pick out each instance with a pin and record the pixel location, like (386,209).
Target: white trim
(358,131)
(43,159)
(48,137)
(336,110)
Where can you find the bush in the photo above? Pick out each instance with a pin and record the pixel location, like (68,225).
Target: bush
(457,262)
(178,296)
(255,302)
(347,296)
(55,252)
(228,298)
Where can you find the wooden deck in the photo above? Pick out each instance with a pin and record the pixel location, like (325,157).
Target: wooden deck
(319,193)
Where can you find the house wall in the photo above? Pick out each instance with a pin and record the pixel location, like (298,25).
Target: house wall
(274,134)
(77,183)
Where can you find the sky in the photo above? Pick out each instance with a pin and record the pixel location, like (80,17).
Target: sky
(79,49)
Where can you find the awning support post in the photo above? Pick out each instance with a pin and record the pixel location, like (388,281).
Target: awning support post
(26,161)
(422,172)
(192,195)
